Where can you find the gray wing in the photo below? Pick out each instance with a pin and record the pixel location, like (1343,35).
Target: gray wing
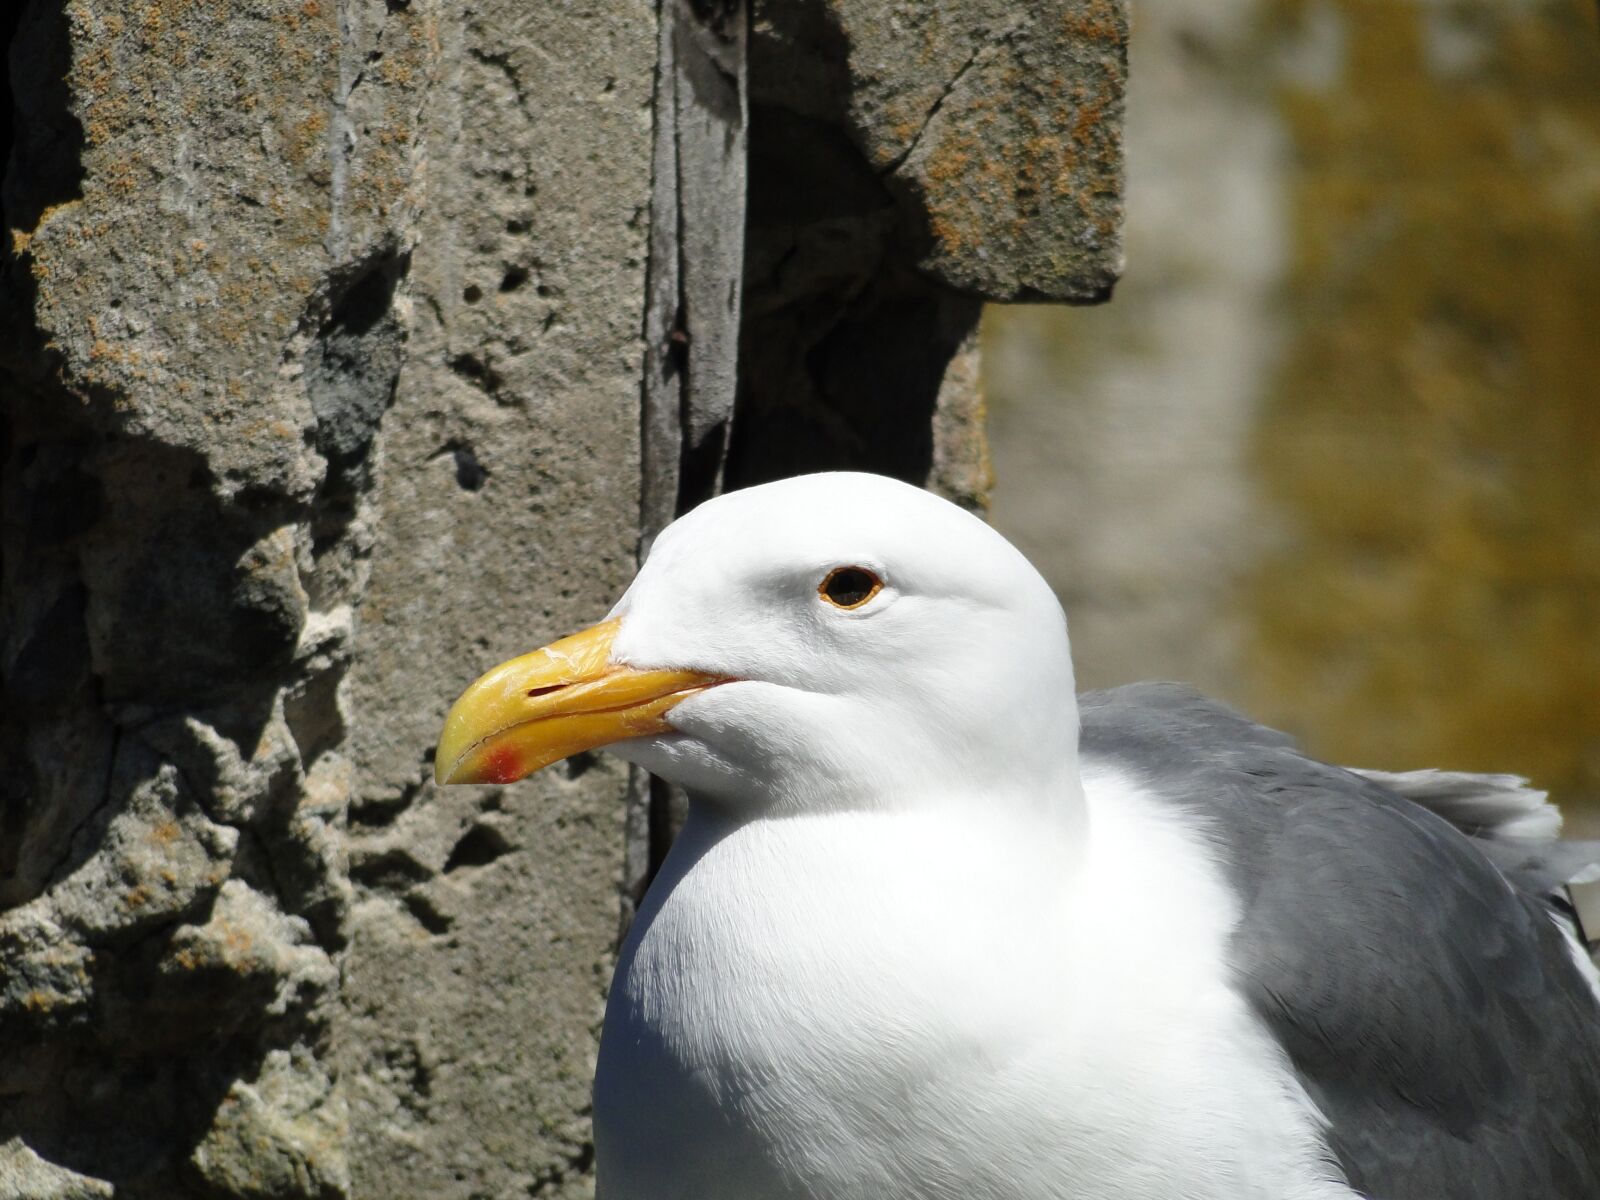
(1431,1006)
(1514,825)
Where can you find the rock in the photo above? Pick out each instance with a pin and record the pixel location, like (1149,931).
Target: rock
(24,1173)
(995,126)
(325,328)
(279,1137)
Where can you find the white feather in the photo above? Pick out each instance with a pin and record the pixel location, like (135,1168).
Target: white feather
(1502,807)
(900,1006)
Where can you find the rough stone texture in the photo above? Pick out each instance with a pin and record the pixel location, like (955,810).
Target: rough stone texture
(206,213)
(1332,452)
(24,1173)
(996,127)
(323,336)
(485,918)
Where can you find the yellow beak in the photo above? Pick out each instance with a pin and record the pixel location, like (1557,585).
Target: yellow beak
(542,707)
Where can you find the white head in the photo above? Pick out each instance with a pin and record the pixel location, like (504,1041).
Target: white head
(935,651)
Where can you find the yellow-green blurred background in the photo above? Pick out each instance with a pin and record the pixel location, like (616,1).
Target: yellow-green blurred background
(1333,451)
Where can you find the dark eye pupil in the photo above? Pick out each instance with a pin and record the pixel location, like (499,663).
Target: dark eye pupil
(849,586)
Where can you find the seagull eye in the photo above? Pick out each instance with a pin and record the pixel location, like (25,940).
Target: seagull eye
(849,587)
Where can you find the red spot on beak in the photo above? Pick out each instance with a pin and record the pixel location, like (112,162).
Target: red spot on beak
(502,766)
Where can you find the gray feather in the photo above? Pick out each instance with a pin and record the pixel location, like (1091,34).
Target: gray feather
(1513,823)
(1429,1003)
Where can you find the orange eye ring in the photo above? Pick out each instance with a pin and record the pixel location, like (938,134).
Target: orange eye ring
(849,587)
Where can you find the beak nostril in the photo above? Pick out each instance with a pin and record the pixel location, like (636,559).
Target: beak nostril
(545,691)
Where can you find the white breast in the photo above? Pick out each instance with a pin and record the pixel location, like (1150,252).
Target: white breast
(887,1006)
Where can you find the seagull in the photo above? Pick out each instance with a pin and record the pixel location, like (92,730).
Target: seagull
(939,928)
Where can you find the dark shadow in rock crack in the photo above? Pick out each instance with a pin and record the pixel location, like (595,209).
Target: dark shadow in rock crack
(41,140)
(353,365)
(843,346)
(478,847)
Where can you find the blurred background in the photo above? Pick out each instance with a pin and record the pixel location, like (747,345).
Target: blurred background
(1333,453)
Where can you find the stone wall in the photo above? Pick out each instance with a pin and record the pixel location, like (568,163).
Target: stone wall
(349,347)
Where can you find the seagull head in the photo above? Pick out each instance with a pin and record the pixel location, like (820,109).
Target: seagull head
(830,641)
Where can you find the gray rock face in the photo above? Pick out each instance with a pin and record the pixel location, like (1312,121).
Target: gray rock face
(326,332)
(209,222)
(995,126)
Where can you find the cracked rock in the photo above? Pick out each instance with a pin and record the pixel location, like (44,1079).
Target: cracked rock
(322,389)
